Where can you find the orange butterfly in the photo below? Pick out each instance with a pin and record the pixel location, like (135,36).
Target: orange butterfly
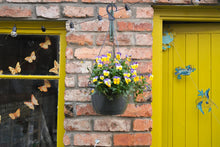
(15,70)
(31,58)
(1,72)
(32,103)
(45,44)
(45,86)
(16,114)
(55,68)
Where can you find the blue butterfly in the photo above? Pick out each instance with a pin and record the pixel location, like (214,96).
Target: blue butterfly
(166,40)
(184,71)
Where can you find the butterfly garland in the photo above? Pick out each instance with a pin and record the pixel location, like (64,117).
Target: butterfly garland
(184,71)
(204,103)
(44,88)
(32,57)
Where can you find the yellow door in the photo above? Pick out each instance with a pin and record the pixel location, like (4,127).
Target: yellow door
(198,45)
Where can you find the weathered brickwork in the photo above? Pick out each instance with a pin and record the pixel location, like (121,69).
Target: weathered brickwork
(134,35)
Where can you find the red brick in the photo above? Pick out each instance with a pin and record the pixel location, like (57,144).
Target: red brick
(69,53)
(144,110)
(143,139)
(144,12)
(95,25)
(81,95)
(142,125)
(135,1)
(77,125)
(71,11)
(85,109)
(123,140)
(83,80)
(88,139)
(78,67)
(134,26)
(144,67)
(119,14)
(48,12)
(144,39)
(98,1)
(175,1)
(112,124)
(140,139)
(70,81)
(91,53)
(23,1)
(80,39)
(146,96)
(69,0)
(66,139)
(123,39)
(137,53)
(15,11)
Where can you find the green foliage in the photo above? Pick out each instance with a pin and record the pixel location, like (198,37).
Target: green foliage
(114,76)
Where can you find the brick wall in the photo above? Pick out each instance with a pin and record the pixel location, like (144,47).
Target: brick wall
(82,124)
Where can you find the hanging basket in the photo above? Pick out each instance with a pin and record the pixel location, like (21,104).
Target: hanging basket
(103,105)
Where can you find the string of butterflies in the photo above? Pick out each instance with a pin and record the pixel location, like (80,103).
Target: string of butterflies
(203,102)
(43,88)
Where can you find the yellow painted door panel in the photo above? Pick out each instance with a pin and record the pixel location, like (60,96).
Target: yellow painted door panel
(196,44)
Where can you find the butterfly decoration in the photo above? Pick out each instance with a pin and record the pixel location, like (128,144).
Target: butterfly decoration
(204,102)
(16,114)
(45,86)
(1,72)
(31,58)
(184,71)
(32,103)
(55,68)
(15,70)
(167,40)
(45,44)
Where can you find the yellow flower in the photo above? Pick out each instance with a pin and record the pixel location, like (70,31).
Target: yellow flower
(116,80)
(136,78)
(118,55)
(151,77)
(106,73)
(107,82)
(127,74)
(92,91)
(109,54)
(102,77)
(95,79)
(127,80)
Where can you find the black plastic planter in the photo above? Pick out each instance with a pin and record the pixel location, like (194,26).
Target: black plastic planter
(104,106)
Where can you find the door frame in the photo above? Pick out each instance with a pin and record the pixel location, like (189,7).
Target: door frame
(163,14)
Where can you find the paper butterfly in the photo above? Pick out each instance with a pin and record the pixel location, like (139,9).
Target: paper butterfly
(1,72)
(45,44)
(204,102)
(32,103)
(184,71)
(167,39)
(15,115)
(31,58)
(45,86)
(15,70)
(55,68)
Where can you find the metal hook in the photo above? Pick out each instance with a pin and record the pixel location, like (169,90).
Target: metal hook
(110,16)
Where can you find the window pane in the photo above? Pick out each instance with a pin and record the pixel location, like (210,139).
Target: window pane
(20,49)
(23,121)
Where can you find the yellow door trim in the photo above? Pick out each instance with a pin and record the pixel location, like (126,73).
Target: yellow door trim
(162,14)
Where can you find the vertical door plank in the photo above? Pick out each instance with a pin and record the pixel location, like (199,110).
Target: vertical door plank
(191,91)
(204,83)
(165,98)
(215,91)
(179,93)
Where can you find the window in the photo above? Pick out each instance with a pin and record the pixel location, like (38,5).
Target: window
(32,84)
